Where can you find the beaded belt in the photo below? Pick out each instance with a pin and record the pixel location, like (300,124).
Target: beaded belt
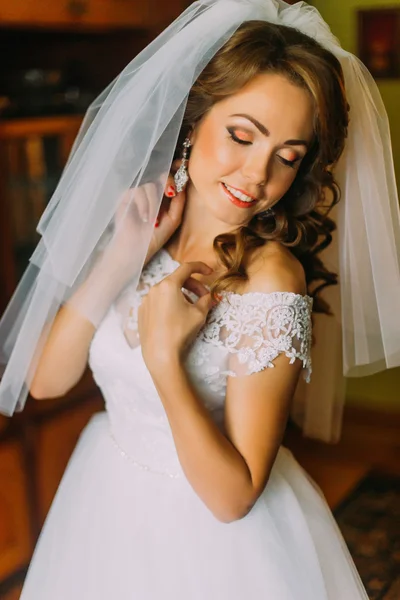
(140,465)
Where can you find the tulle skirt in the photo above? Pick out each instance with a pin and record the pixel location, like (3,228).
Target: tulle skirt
(117,532)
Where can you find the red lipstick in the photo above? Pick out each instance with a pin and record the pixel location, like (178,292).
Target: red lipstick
(236,201)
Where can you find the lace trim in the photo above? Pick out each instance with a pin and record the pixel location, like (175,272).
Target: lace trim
(255,326)
(161,265)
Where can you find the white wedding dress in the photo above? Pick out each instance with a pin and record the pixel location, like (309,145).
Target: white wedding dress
(126,524)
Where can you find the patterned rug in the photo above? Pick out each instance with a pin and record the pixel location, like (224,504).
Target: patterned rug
(370,523)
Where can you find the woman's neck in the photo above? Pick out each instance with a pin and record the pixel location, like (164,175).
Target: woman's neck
(193,240)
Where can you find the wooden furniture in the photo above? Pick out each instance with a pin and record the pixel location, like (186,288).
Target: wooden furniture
(88,14)
(35,445)
(101,36)
(32,154)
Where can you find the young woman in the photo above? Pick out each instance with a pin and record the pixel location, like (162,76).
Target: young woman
(181,489)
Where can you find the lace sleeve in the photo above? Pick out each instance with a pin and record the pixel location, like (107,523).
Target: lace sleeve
(256,327)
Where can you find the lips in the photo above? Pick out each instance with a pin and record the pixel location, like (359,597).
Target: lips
(243,192)
(236,201)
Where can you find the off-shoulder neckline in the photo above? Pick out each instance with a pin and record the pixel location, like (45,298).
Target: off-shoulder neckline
(244,295)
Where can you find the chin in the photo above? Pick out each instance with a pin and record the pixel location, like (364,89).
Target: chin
(230,217)
(220,209)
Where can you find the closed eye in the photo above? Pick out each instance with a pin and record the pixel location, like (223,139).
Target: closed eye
(237,139)
(289,163)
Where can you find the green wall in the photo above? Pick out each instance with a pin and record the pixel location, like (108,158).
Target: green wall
(381,391)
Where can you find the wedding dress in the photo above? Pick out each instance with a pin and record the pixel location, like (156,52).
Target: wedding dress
(126,524)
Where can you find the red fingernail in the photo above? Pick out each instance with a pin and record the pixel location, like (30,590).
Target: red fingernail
(170,191)
(157,223)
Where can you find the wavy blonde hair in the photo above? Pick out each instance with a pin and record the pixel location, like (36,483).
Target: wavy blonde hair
(301,218)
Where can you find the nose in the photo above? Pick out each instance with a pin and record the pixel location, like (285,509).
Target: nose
(256,167)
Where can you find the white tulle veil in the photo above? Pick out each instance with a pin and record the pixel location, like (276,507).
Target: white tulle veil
(128,139)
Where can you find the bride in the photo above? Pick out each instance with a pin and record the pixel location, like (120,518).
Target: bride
(191,298)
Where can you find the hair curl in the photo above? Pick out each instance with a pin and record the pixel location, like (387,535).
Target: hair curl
(301,218)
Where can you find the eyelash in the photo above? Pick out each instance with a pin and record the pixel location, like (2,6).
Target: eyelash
(234,137)
(288,163)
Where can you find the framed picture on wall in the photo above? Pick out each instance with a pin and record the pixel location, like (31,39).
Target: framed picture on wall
(379,41)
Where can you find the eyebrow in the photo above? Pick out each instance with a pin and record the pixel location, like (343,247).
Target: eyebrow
(265,131)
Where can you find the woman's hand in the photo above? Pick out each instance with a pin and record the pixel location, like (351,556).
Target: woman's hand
(167,321)
(137,220)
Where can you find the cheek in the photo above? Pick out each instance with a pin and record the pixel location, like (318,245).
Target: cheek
(226,157)
(215,153)
(280,181)
(289,177)
(287,183)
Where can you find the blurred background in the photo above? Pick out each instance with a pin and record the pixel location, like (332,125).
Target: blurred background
(57,56)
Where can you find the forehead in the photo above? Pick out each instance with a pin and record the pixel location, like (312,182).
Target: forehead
(274,101)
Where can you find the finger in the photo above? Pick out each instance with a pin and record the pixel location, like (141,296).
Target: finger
(141,203)
(195,286)
(163,210)
(205,303)
(153,200)
(186,294)
(125,204)
(170,187)
(176,207)
(184,271)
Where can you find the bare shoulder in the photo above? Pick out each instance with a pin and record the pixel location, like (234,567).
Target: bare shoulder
(275,269)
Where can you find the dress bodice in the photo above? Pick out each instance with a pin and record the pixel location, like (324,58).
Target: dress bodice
(243,334)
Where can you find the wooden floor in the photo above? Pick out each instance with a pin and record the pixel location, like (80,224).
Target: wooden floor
(370,442)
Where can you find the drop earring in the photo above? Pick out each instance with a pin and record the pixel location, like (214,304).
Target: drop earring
(181,176)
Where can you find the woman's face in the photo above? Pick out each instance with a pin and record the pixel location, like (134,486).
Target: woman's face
(248,148)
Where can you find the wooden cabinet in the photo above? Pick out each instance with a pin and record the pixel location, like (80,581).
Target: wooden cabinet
(89,14)
(32,155)
(34,450)
(73,13)
(15,531)
(35,445)
(56,440)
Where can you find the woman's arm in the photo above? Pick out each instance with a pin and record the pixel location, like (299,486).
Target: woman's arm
(64,357)
(229,472)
